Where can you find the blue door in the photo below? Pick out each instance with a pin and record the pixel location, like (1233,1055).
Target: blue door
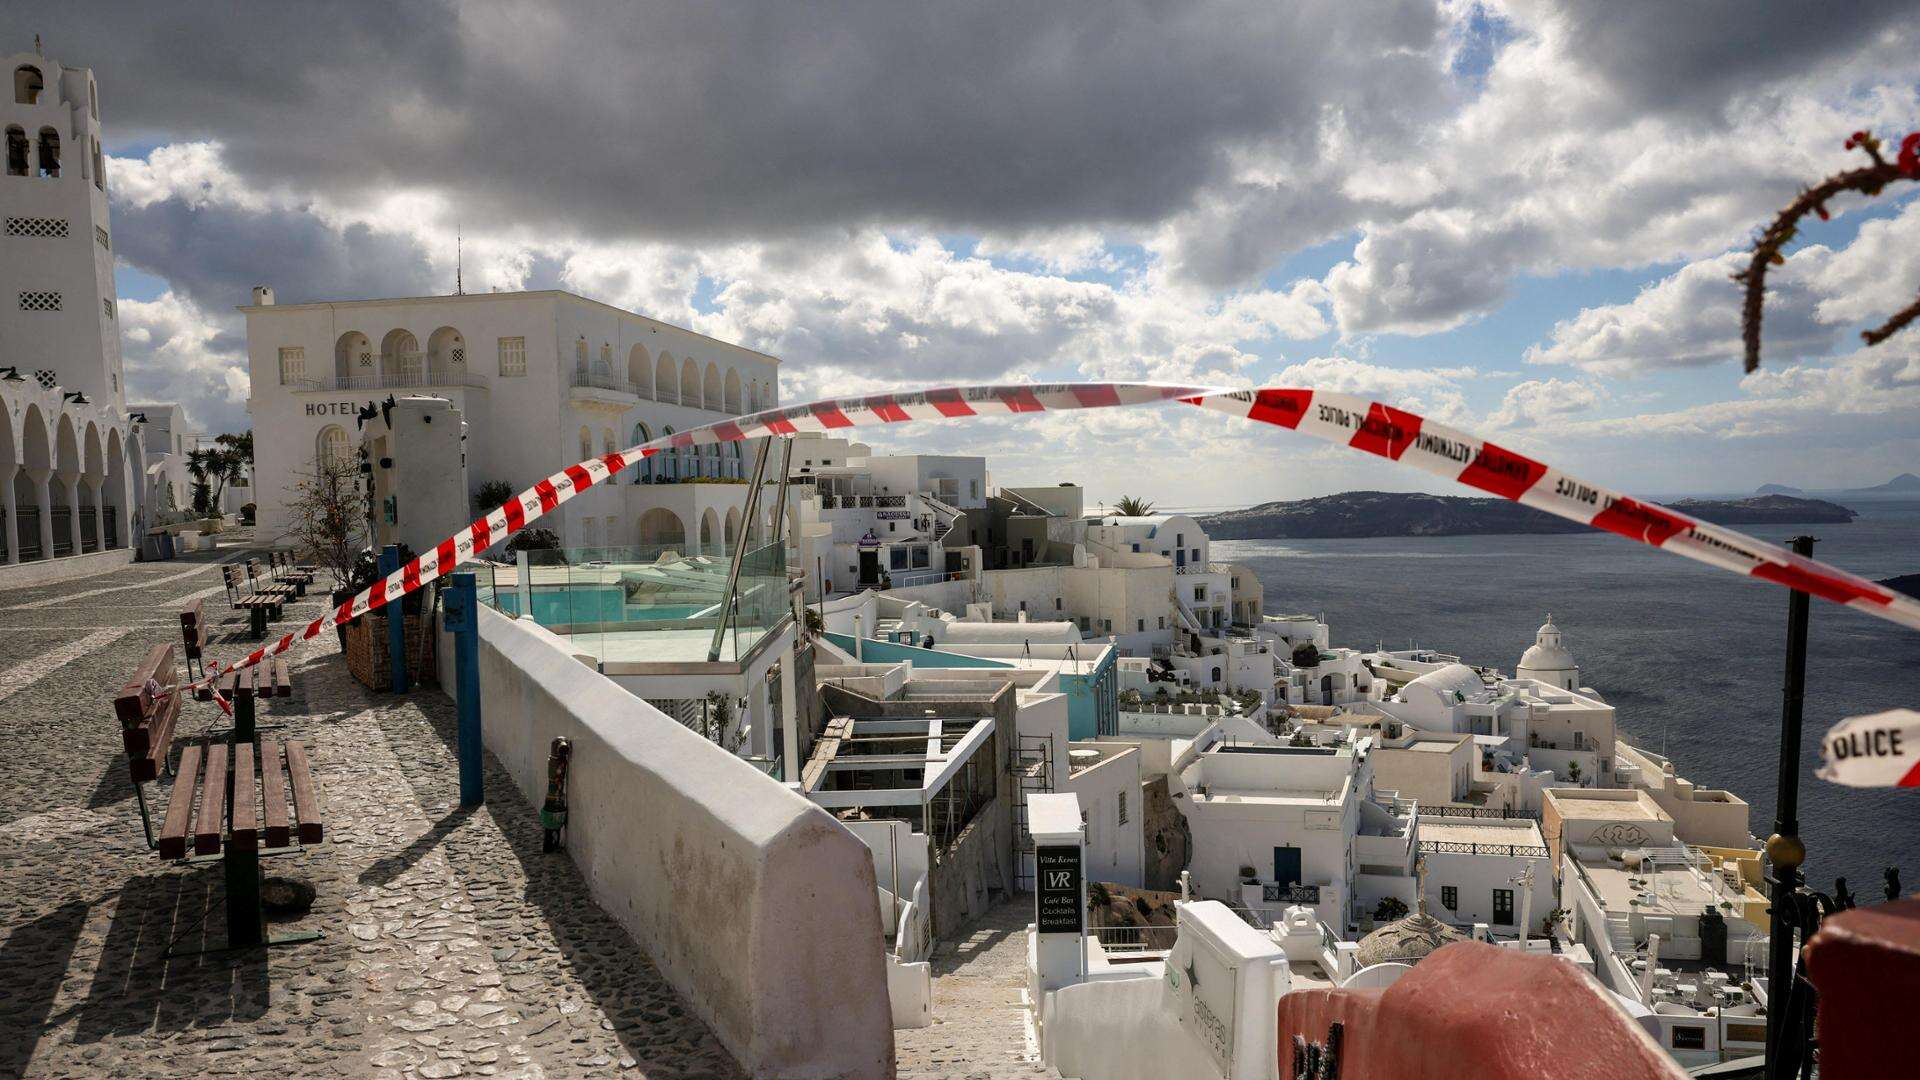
(1286,866)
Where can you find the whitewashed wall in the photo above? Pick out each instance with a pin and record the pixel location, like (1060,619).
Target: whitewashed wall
(754,903)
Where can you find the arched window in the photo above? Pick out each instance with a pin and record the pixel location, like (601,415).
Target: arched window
(352,356)
(27,85)
(401,361)
(733,391)
(99,167)
(606,442)
(690,383)
(49,152)
(332,449)
(669,458)
(604,368)
(586,443)
(580,357)
(640,371)
(643,474)
(446,354)
(666,379)
(16,150)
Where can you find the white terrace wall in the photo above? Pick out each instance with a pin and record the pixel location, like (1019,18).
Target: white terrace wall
(752,901)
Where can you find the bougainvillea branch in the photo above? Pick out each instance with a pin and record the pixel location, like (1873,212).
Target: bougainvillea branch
(1868,181)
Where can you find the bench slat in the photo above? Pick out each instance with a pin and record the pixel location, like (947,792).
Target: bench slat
(244,836)
(213,803)
(282,679)
(273,793)
(143,764)
(304,804)
(133,704)
(173,830)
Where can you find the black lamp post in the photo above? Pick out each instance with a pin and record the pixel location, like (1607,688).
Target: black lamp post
(1785,852)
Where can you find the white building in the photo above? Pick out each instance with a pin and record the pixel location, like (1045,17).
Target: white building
(861,520)
(542,380)
(1304,819)
(69,464)
(1677,933)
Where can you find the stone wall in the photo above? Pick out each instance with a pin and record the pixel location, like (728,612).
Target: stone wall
(754,903)
(1164,836)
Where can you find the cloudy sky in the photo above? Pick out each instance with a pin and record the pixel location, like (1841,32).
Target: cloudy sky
(1515,216)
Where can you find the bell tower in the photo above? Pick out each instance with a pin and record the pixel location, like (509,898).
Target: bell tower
(59,318)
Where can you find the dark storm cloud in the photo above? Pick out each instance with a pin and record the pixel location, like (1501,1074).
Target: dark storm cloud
(733,119)
(217,252)
(1666,56)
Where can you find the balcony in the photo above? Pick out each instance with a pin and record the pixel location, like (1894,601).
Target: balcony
(600,381)
(405,380)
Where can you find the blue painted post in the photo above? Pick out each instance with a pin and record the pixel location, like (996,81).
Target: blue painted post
(396,621)
(464,620)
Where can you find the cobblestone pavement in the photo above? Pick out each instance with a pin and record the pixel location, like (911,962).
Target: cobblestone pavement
(451,946)
(979,1027)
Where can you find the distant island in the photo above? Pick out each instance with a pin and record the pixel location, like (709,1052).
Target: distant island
(1357,514)
(1778,489)
(1904,484)
(1906,583)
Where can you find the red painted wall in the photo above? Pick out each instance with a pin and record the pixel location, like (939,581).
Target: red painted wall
(1477,1010)
(1866,965)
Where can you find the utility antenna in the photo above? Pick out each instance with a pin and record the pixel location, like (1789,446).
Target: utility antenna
(36,46)
(459,287)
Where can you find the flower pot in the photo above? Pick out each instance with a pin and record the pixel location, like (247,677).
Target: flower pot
(341,596)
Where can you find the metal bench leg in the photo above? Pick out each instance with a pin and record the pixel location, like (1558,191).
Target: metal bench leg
(243,722)
(257,621)
(246,923)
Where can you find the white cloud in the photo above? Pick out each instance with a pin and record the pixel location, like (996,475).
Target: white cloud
(173,352)
(1692,317)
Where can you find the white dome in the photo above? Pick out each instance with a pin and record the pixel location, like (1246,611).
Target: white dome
(1546,658)
(1546,654)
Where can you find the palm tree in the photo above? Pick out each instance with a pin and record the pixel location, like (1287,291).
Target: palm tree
(1132,506)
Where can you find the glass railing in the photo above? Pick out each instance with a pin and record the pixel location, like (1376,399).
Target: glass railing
(643,605)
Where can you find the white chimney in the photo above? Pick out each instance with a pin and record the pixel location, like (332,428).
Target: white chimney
(263,296)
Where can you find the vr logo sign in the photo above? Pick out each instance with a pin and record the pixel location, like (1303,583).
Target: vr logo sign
(1057,897)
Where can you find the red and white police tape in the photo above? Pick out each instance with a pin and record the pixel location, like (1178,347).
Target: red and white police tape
(1338,418)
(1882,750)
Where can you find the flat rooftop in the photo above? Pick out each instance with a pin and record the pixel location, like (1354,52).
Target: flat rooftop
(1674,890)
(1483,831)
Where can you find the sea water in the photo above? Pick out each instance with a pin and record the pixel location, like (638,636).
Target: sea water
(1691,657)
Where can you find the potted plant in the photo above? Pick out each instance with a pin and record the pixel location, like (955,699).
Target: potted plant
(1251,893)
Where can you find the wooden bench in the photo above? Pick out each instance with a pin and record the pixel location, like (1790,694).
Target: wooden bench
(193,628)
(237,800)
(260,607)
(280,566)
(268,678)
(265,583)
(300,577)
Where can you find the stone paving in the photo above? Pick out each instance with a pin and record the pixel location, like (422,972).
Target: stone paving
(452,946)
(979,1029)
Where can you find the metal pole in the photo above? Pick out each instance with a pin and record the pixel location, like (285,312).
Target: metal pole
(780,498)
(1785,852)
(733,570)
(463,619)
(396,621)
